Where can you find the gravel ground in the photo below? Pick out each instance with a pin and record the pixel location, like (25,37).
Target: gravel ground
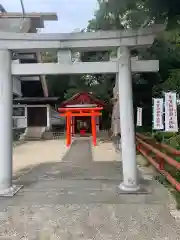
(36,152)
(105,152)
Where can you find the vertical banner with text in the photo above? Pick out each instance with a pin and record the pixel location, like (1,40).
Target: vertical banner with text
(139,117)
(171,123)
(158,114)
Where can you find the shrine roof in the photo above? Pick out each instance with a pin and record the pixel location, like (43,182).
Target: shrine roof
(83,98)
(36,100)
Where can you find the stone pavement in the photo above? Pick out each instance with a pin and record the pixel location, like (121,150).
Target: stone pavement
(79,199)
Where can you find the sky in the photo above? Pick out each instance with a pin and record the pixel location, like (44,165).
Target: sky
(72,14)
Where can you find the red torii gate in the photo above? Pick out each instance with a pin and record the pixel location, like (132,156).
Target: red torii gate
(70,112)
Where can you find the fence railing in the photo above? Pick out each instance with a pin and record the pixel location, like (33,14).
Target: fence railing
(158,156)
(165,146)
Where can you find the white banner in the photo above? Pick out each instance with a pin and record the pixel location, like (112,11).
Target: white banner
(171,123)
(139,117)
(158,114)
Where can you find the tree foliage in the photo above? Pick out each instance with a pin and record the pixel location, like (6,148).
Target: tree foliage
(124,14)
(117,14)
(120,14)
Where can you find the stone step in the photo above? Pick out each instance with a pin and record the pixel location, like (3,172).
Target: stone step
(34,133)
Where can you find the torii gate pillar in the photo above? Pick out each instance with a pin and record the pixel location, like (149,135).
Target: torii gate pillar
(6,188)
(128,146)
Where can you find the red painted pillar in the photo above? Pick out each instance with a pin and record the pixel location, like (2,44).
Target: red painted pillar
(73,125)
(68,130)
(93,126)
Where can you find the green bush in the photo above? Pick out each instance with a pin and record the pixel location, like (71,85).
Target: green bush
(163,136)
(143,129)
(178,139)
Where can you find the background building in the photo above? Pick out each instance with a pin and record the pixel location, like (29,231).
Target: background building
(25,86)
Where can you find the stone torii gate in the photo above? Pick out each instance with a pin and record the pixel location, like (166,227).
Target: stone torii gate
(64,44)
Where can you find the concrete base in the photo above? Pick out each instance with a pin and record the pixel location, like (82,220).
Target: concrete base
(10,192)
(47,135)
(123,189)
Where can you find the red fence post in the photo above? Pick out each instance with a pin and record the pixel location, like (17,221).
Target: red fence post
(68,130)
(93,126)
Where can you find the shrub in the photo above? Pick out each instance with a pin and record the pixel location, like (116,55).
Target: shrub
(163,136)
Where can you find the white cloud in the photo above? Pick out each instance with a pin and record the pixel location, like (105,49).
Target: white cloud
(72,14)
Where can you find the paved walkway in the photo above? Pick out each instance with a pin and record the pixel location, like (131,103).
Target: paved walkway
(80,152)
(78,198)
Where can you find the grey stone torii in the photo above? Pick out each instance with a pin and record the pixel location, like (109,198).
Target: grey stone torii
(64,44)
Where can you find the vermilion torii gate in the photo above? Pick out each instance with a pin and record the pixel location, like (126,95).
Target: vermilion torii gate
(64,44)
(83,111)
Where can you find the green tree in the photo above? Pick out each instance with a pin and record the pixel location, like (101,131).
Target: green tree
(119,14)
(116,14)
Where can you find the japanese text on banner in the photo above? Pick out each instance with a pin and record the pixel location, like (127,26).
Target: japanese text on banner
(139,117)
(158,114)
(171,123)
